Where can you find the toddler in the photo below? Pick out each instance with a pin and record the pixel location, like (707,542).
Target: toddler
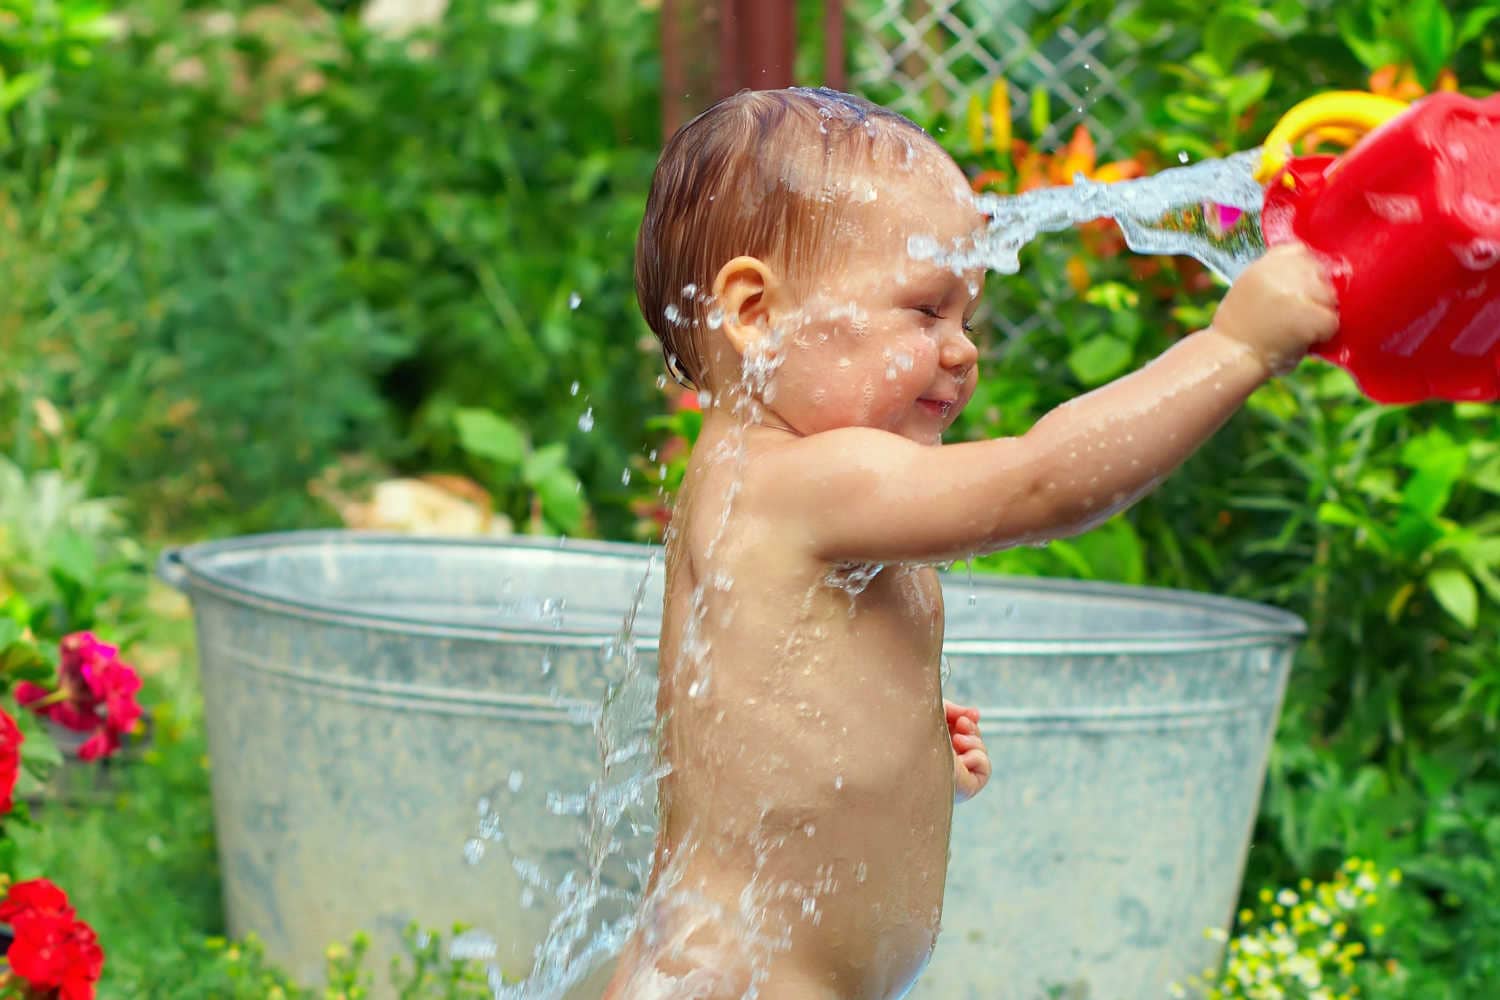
(814,764)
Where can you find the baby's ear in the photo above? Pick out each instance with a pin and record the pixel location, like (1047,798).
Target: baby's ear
(741,293)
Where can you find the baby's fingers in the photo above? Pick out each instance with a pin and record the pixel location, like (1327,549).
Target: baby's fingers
(963,743)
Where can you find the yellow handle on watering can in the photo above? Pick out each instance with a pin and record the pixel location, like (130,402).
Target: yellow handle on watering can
(1354,110)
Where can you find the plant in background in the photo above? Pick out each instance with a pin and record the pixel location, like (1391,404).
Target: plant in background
(422,970)
(659,473)
(1312,943)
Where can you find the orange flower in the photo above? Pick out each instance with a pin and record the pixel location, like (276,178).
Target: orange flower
(1080,156)
(1401,82)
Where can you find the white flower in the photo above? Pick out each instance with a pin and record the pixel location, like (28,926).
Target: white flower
(1286,897)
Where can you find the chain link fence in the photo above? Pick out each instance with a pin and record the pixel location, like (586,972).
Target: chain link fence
(926,58)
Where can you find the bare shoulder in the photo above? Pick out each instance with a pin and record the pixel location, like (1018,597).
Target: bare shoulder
(745,498)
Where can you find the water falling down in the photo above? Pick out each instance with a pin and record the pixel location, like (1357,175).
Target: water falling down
(593,905)
(1208,211)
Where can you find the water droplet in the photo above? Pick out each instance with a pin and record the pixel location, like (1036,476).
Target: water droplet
(624,477)
(810,829)
(473,850)
(586,422)
(715,318)
(575,300)
(573,389)
(661,382)
(838,783)
(1182,157)
(672,313)
(528,899)
(689,290)
(861,871)
(514,781)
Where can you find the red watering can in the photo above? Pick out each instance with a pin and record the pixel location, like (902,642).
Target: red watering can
(1408,224)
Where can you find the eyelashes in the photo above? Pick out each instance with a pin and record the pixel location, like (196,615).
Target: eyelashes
(935,312)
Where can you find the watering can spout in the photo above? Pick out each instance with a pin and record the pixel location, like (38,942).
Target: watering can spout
(1407,223)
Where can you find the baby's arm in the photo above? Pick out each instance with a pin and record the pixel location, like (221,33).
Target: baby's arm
(866,495)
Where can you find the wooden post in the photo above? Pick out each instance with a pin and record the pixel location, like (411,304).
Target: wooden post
(714,48)
(757,44)
(835,56)
(689,79)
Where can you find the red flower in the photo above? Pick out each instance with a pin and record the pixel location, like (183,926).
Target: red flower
(35,896)
(10,759)
(96,694)
(53,951)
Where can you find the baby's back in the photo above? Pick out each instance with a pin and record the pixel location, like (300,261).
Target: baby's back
(805,820)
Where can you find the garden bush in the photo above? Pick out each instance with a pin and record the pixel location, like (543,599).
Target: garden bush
(251,241)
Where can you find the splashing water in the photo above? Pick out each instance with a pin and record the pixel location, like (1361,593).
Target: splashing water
(1176,211)
(616,816)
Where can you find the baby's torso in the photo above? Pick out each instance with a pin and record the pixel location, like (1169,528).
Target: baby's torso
(812,777)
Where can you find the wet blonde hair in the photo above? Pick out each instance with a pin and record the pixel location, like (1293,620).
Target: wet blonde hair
(761,174)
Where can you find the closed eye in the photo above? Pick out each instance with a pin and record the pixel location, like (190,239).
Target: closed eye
(932,311)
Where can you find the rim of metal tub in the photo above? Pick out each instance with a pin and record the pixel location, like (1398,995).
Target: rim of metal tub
(183,569)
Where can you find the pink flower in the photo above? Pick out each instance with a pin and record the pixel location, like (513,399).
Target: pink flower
(96,694)
(1221,218)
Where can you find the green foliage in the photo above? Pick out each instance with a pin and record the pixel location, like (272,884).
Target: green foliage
(240,970)
(294,239)
(65,564)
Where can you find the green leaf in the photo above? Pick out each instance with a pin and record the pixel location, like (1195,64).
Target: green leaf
(1455,591)
(1114,296)
(71,556)
(489,435)
(690,424)
(1367,36)
(17,89)
(39,754)
(1228,33)
(1333,513)
(1431,37)
(1247,89)
(1474,23)
(1100,359)
(562,501)
(544,463)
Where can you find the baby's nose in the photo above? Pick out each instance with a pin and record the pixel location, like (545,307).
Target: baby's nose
(958,354)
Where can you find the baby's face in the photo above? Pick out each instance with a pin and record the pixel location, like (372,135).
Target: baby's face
(878,339)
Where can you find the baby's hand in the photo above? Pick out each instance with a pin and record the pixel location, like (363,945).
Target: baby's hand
(971,761)
(1280,307)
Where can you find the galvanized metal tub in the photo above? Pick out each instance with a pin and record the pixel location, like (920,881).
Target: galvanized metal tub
(363,693)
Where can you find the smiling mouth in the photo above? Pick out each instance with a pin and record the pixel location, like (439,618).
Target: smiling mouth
(936,407)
